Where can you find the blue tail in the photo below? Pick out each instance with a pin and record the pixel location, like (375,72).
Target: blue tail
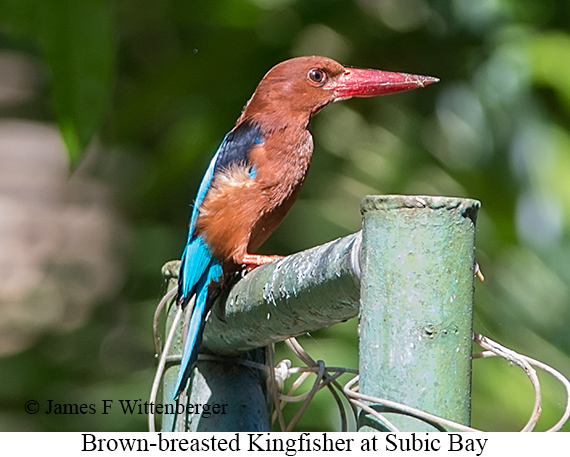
(197,270)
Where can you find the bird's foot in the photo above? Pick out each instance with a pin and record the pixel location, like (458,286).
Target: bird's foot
(252,261)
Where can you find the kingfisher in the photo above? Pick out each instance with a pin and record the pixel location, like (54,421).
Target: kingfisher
(257,173)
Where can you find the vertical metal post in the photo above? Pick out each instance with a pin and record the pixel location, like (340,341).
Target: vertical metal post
(416,305)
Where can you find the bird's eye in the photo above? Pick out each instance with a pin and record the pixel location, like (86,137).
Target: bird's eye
(317,76)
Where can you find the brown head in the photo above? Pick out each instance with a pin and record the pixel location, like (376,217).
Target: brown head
(293,90)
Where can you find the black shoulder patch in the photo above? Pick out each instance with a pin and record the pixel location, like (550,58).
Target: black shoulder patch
(237,144)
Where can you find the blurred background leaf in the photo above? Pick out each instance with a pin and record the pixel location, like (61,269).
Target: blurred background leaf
(137,95)
(77,42)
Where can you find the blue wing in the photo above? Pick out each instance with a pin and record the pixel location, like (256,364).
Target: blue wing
(198,267)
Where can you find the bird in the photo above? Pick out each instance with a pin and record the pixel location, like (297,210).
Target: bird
(257,173)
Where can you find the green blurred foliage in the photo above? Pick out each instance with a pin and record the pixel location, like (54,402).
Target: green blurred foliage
(160,83)
(77,41)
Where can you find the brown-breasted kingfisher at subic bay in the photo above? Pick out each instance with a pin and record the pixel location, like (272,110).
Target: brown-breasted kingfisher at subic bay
(257,173)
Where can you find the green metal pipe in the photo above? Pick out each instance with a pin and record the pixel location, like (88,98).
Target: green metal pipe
(234,395)
(417,305)
(301,293)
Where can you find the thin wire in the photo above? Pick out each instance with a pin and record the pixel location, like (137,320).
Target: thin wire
(356,399)
(328,377)
(156,319)
(162,363)
(405,408)
(308,360)
(566,385)
(495,349)
(309,398)
(272,386)
(521,361)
